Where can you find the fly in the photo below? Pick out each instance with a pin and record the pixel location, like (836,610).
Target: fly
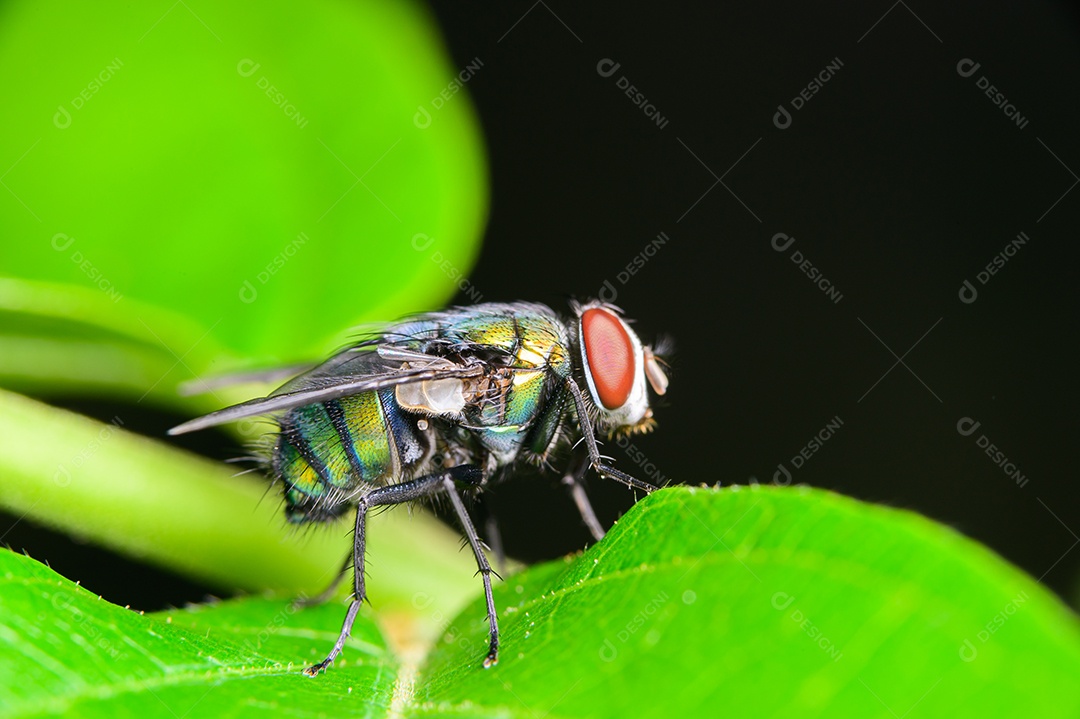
(448,401)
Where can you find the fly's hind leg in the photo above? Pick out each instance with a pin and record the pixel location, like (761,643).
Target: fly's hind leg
(386,496)
(572,479)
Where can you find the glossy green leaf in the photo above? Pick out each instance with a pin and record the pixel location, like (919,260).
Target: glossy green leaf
(740,601)
(767,602)
(64,651)
(199,186)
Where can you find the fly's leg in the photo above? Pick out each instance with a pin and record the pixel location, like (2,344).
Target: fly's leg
(572,479)
(327,593)
(485,570)
(358,589)
(595,460)
(492,533)
(385,496)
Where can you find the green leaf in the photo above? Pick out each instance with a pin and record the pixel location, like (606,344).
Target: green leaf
(746,601)
(766,602)
(202,186)
(66,652)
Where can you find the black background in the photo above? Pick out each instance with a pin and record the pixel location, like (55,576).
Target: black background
(899,180)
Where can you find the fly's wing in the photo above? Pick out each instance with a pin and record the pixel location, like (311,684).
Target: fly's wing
(449,344)
(363,368)
(206,385)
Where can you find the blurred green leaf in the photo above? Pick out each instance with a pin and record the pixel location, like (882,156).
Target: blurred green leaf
(150,501)
(746,601)
(200,186)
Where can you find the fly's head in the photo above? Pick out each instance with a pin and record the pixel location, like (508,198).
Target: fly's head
(617,366)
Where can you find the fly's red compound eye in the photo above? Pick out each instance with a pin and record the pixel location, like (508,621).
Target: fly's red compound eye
(610,353)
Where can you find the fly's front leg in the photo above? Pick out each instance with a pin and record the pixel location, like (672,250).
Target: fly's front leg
(384,496)
(485,570)
(572,479)
(595,460)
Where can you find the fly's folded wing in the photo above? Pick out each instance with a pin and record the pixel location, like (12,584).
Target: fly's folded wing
(350,372)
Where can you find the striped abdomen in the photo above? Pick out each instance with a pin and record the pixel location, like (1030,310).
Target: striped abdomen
(328,453)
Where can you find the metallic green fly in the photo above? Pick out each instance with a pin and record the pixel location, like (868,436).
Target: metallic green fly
(450,401)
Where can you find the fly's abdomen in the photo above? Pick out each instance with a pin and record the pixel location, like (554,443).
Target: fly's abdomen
(328,453)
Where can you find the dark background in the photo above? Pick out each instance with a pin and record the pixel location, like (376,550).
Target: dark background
(899,180)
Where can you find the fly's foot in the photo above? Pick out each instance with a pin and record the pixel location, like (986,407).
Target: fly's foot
(316,669)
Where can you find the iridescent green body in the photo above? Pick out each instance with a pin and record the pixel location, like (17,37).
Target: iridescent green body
(329,453)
